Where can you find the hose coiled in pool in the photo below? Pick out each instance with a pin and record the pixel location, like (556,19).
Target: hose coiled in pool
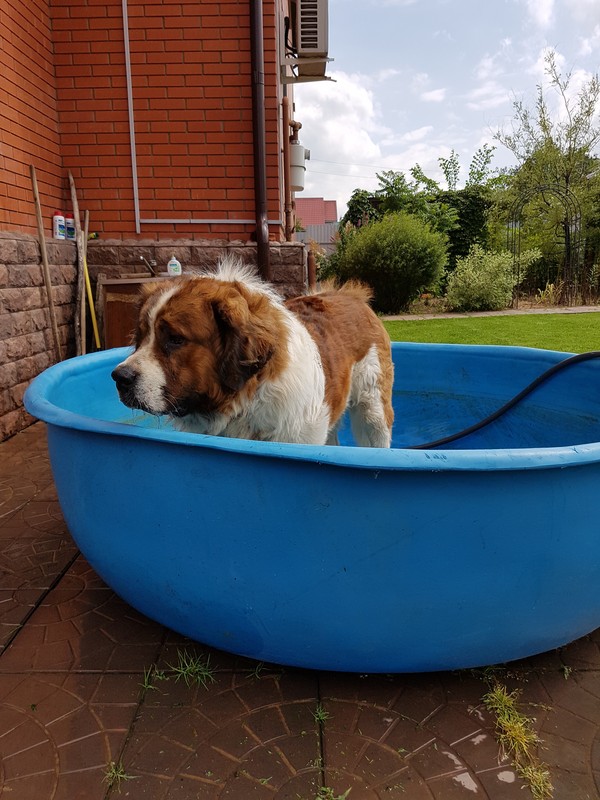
(567,362)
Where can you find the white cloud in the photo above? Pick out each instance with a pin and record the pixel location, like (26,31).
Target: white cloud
(386,74)
(591,43)
(340,123)
(490,94)
(342,128)
(587,11)
(416,135)
(493,66)
(486,68)
(419,82)
(435,96)
(541,12)
(444,35)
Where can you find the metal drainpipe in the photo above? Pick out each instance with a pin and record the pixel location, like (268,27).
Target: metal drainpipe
(259,138)
(287,180)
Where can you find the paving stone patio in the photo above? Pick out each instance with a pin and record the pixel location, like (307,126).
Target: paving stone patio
(86,682)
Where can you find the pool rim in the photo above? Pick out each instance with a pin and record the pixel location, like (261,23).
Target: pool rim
(396,459)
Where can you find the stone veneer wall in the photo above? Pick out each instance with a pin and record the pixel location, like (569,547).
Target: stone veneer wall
(26,342)
(115,257)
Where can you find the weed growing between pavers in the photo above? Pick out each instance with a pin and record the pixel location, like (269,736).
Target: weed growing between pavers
(517,738)
(193,669)
(320,714)
(325,793)
(115,774)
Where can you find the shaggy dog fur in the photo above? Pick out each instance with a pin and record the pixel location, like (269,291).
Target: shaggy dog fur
(223,354)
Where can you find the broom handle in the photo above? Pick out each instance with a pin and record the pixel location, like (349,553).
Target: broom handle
(82,260)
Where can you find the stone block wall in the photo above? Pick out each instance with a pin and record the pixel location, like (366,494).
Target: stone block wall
(115,258)
(26,340)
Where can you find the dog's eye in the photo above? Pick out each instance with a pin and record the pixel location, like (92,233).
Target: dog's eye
(173,341)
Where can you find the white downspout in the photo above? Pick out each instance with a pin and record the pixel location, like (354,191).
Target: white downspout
(134,174)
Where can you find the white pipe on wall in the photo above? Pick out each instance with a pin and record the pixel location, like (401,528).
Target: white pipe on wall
(164,221)
(134,173)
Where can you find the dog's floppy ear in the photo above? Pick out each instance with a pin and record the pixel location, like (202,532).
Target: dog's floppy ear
(245,349)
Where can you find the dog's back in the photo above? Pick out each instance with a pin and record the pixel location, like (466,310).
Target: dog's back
(356,356)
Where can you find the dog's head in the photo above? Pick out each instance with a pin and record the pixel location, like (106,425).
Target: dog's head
(200,342)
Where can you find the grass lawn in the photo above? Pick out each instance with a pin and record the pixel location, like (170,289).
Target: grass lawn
(571,333)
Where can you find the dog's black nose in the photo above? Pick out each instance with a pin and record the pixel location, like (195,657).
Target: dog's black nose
(124,376)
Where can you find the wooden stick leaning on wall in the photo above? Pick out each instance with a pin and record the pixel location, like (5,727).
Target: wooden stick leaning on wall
(45,266)
(80,293)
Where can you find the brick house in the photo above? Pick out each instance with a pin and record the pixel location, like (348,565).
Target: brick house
(319,221)
(174,119)
(316,211)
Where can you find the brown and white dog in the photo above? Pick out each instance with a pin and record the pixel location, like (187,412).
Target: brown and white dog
(223,354)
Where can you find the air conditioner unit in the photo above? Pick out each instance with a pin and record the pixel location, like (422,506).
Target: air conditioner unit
(311,28)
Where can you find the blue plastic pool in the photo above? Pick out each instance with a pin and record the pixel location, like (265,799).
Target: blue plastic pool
(347,558)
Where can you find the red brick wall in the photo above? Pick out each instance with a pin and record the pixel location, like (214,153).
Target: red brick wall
(29,129)
(191,84)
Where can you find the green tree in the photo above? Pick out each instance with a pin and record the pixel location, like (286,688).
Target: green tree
(470,204)
(555,149)
(363,207)
(394,194)
(480,172)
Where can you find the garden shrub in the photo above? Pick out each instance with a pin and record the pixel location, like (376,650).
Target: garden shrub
(485,281)
(398,256)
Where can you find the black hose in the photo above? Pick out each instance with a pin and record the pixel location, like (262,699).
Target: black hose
(567,362)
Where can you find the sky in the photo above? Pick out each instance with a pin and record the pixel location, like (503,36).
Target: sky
(415,79)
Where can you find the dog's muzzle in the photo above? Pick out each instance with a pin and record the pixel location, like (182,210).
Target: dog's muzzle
(125,377)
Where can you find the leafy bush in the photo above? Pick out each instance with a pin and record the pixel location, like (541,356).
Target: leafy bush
(484,281)
(398,257)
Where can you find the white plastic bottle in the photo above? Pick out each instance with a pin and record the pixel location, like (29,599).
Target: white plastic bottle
(70,226)
(58,225)
(174,267)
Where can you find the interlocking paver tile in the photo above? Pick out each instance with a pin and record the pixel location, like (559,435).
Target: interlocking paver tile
(34,518)
(480,751)
(52,735)
(24,470)
(570,695)
(28,568)
(82,625)
(573,786)
(235,734)
(423,738)
(34,562)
